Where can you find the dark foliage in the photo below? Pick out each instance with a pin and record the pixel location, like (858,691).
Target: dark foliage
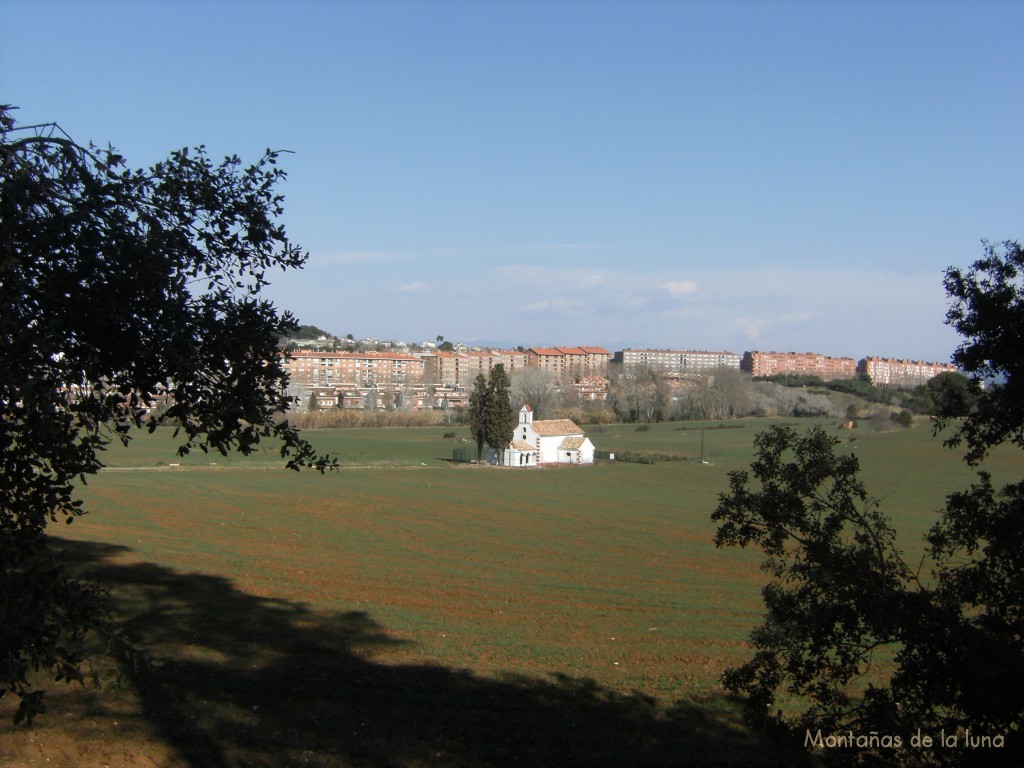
(491,418)
(793,379)
(948,395)
(479,401)
(904,418)
(501,418)
(988,311)
(841,598)
(646,457)
(309,332)
(121,288)
(838,585)
(954,395)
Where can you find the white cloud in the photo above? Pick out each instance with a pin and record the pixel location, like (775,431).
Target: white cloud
(756,328)
(530,275)
(567,247)
(589,282)
(558,306)
(798,317)
(678,288)
(412,288)
(751,327)
(837,312)
(523,248)
(682,312)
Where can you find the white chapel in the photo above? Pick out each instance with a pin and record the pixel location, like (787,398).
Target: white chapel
(547,441)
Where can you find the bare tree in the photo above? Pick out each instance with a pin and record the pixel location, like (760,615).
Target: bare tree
(732,390)
(536,387)
(641,393)
(722,394)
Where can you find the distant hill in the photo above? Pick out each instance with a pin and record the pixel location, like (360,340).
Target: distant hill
(310,332)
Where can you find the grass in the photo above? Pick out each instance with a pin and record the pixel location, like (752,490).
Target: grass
(437,612)
(585,545)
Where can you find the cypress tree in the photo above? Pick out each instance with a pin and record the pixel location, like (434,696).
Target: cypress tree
(491,418)
(500,418)
(479,402)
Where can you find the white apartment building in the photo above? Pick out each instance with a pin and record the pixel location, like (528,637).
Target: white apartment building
(677,361)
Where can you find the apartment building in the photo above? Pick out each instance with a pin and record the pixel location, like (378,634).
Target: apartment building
(460,369)
(595,361)
(677,361)
(888,372)
(546,359)
(446,369)
(512,359)
(483,361)
(309,370)
(800,363)
(574,362)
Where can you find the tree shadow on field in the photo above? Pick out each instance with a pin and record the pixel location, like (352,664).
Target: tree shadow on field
(250,681)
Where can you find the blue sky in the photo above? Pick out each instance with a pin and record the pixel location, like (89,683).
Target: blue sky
(733,175)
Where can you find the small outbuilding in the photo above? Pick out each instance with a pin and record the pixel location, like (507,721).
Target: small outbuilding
(519,454)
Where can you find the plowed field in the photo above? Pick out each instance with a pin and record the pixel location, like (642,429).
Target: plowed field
(407,610)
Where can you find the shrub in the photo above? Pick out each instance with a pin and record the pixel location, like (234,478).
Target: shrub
(904,418)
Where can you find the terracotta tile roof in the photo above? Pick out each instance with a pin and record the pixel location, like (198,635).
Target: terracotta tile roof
(305,354)
(572,444)
(522,445)
(555,427)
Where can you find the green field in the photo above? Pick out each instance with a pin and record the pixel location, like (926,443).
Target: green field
(446,614)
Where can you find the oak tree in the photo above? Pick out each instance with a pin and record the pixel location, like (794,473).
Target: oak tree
(855,641)
(121,288)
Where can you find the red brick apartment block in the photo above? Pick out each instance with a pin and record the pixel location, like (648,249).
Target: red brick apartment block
(800,363)
(569,361)
(353,369)
(887,372)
